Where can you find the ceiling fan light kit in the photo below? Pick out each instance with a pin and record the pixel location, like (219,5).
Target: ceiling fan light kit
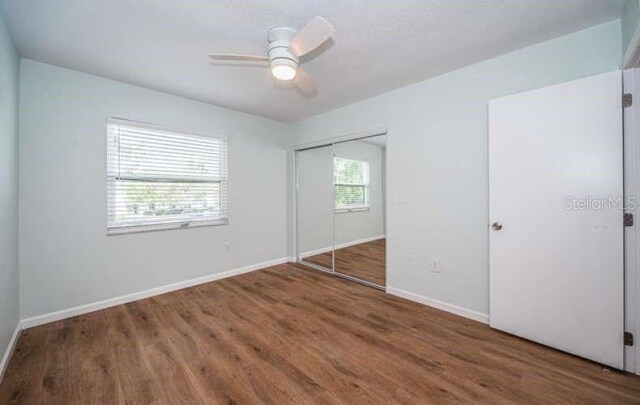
(283,62)
(286,46)
(283,70)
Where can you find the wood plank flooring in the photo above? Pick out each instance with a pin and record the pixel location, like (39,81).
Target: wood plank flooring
(323,259)
(365,261)
(288,334)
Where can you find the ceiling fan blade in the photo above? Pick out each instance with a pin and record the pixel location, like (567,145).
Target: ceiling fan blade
(311,36)
(234,57)
(305,83)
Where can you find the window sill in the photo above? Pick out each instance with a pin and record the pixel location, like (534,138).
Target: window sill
(349,210)
(122,230)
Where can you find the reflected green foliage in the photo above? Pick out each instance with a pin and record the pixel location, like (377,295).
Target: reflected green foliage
(351,182)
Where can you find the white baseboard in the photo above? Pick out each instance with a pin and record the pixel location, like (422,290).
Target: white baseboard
(9,350)
(444,306)
(341,246)
(315,252)
(123,299)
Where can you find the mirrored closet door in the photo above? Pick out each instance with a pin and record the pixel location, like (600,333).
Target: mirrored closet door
(359,209)
(314,206)
(341,218)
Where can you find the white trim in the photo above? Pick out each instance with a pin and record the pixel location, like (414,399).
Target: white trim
(164,226)
(351,210)
(9,350)
(444,306)
(359,241)
(123,299)
(340,246)
(343,138)
(316,252)
(632,287)
(294,206)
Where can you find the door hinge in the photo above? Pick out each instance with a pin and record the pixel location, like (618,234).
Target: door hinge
(627,100)
(628,339)
(627,219)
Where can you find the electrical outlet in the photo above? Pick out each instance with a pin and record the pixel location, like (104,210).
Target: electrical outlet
(435,266)
(227,246)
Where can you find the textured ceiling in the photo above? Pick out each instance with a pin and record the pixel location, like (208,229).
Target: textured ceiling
(379,45)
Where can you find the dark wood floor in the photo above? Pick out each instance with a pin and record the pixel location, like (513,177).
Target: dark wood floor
(323,259)
(365,261)
(289,334)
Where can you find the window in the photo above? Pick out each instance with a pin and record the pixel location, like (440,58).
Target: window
(351,184)
(159,179)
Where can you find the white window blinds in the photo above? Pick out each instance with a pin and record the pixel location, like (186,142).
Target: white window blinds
(351,184)
(159,179)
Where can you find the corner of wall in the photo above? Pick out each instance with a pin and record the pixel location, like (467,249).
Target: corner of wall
(17,152)
(10,309)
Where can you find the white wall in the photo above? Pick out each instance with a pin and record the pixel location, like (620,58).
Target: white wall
(437,158)
(9,288)
(66,258)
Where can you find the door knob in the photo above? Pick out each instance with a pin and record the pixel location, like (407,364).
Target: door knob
(496,226)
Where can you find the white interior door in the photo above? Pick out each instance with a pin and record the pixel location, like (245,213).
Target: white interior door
(556,272)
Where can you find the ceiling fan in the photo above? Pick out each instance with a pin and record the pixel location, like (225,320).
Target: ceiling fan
(286,46)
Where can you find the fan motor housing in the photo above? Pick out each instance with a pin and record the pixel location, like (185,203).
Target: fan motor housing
(279,42)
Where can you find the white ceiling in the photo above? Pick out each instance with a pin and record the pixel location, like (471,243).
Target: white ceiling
(379,45)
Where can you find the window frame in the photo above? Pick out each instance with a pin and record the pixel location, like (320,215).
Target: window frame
(169,223)
(366,186)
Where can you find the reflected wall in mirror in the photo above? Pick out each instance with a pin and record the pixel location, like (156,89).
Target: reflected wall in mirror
(359,190)
(314,176)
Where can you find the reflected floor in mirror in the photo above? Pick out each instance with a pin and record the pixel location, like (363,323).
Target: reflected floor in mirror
(323,260)
(364,261)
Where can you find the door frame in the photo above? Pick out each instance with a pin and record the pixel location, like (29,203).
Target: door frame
(631,145)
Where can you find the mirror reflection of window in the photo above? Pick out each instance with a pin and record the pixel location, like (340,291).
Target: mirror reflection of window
(351,184)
